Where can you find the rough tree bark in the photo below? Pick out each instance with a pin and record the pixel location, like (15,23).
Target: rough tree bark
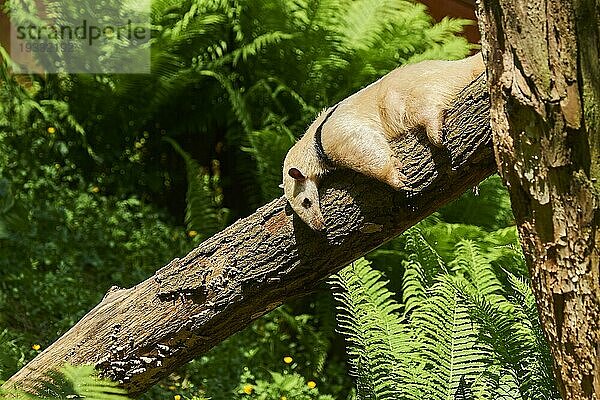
(543,67)
(138,335)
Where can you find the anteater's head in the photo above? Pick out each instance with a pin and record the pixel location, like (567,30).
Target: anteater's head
(301,175)
(304,165)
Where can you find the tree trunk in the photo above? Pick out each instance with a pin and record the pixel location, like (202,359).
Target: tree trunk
(544,81)
(139,335)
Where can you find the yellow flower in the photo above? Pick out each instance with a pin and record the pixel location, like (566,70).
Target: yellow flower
(288,359)
(192,234)
(248,389)
(177,397)
(312,384)
(283,398)
(172,388)
(36,347)
(51,130)
(95,189)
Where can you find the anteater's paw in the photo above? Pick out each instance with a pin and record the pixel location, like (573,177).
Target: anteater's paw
(433,126)
(395,178)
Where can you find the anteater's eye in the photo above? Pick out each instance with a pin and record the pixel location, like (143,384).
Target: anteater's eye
(306,203)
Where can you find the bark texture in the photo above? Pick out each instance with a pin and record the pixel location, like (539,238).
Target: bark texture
(138,335)
(544,81)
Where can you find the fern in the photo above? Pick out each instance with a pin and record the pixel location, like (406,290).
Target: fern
(473,328)
(379,346)
(469,260)
(237,101)
(463,392)
(258,44)
(73,382)
(269,147)
(302,56)
(204,211)
(512,331)
(487,206)
(241,84)
(421,267)
(449,344)
(82,381)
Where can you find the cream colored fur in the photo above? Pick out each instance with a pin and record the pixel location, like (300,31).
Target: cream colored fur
(358,132)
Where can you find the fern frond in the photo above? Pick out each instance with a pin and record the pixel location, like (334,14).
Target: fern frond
(88,385)
(463,392)
(538,378)
(283,88)
(420,269)
(498,383)
(470,260)
(235,97)
(325,13)
(447,235)
(380,348)
(251,49)
(268,148)
(364,21)
(204,212)
(449,339)
(522,297)
(506,330)
(79,381)
(419,249)
(488,206)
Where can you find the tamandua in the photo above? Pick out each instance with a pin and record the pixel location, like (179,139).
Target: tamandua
(356,132)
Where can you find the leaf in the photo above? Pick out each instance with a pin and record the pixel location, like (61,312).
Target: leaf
(204,211)
(78,382)
(380,347)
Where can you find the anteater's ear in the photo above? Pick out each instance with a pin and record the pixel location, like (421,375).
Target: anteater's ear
(296,174)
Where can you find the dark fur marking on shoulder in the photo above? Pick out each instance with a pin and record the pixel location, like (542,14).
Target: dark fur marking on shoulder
(323,157)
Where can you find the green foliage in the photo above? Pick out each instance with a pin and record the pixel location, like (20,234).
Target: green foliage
(269,80)
(12,356)
(486,206)
(280,386)
(279,345)
(58,230)
(380,346)
(449,345)
(268,148)
(71,236)
(204,211)
(472,323)
(72,382)
(81,381)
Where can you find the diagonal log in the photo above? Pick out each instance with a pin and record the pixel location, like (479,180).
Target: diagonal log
(141,334)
